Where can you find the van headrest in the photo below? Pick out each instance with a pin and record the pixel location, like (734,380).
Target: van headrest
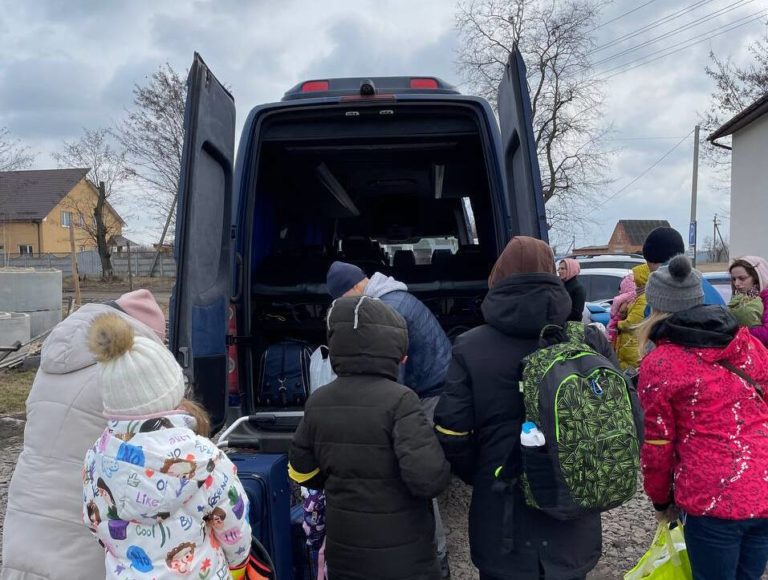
(404,259)
(360,248)
(441,258)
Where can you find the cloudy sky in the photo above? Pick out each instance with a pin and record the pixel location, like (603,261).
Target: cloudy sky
(68,65)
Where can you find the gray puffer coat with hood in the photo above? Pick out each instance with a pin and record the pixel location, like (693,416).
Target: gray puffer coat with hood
(365,440)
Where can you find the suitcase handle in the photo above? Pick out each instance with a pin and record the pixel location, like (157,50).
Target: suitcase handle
(258,418)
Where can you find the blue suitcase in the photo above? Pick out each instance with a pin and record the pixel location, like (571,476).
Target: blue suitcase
(265,479)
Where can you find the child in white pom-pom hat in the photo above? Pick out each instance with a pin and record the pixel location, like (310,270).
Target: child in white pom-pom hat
(160,497)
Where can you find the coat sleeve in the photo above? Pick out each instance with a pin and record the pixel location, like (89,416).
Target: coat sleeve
(89,497)
(303,467)
(455,420)
(761,332)
(657,457)
(578,299)
(235,535)
(634,317)
(422,462)
(599,342)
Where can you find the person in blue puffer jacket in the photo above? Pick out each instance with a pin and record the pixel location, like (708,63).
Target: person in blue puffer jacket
(429,349)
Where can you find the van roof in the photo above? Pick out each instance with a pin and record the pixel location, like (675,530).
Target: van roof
(369,87)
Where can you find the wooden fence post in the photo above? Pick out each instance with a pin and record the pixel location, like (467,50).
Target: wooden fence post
(75,276)
(130,270)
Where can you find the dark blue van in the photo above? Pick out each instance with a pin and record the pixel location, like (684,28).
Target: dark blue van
(402,175)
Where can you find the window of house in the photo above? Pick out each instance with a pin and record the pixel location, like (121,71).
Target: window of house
(25,249)
(66,219)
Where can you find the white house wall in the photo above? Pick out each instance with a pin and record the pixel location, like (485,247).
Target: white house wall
(749,190)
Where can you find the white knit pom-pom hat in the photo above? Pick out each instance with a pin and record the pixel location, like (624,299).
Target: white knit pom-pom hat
(138,376)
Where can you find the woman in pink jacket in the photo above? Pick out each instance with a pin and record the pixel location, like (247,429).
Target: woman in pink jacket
(749,275)
(706,426)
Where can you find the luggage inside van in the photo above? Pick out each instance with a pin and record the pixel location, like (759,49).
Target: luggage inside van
(284,375)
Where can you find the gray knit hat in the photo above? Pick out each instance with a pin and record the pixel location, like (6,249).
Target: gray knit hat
(675,287)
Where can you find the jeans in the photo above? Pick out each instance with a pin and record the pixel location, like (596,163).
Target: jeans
(428,405)
(726,549)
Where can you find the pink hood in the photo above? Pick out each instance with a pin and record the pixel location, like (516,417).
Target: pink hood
(628,292)
(572,268)
(761,267)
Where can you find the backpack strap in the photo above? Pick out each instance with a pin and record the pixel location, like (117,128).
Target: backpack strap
(552,334)
(743,375)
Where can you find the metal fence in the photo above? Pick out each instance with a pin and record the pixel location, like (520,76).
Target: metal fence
(89,263)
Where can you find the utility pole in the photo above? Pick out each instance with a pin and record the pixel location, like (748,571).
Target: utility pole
(723,249)
(694,188)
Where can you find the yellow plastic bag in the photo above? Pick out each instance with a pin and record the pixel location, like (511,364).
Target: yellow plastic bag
(666,560)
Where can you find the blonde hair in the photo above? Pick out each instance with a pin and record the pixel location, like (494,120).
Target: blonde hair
(646,328)
(200,415)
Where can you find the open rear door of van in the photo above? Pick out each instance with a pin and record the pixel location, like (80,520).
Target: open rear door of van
(523,179)
(200,300)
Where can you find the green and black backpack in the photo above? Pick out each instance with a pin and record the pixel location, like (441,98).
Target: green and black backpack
(584,407)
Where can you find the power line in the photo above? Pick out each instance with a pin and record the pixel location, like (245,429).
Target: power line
(644,173)
(620,16)
(644,138)
(655,24)
(678,30)
(686,44)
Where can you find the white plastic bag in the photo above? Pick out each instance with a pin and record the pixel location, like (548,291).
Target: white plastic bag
(320,370)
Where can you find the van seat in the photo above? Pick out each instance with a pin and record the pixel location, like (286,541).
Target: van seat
(403,260)
(468,264)
(441,263)
(406,270)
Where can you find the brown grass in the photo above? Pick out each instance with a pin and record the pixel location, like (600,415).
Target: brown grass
(14,389)
(120,284)
(715,267)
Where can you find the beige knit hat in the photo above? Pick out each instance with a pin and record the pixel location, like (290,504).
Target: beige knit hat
(137,375)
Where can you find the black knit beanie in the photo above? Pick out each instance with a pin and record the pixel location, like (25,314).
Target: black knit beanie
(662,244)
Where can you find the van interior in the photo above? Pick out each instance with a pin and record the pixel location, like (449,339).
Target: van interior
(402,190)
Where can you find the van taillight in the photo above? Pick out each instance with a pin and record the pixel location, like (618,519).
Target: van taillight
(424,84)
(233,379)
(312,86)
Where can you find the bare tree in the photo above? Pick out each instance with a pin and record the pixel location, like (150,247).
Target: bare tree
(554,38)
(13,155)
(107,173)
(153,137)
(735,88)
